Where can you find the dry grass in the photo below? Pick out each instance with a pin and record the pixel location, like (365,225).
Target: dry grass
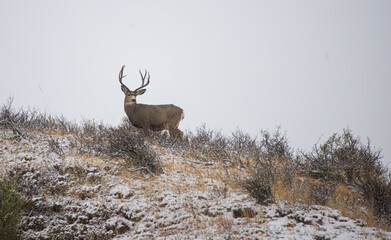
(190,175)
(200,175)
(208,156)
(348,202)
(282,192)
(224,226)
(351,205)
(299,188)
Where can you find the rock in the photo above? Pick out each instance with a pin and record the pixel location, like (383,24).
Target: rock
(318,218)
(282,212)
(122,191)
(301,217)
(135,215)
(36,223)
(56,206)
(320,235)
(343,219)
(94,177)
(243,212)
(334,214)
(87,191)
(290,223)
(140,228)
(94,210)
(118,225)
(360,222)
(82,219)
(71,218)
(60,187)
(212,212)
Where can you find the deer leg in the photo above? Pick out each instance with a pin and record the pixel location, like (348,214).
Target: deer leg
(175,134)
(171,132)
(179,134)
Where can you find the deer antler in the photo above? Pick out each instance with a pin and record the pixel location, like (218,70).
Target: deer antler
(120,76)
(143,79)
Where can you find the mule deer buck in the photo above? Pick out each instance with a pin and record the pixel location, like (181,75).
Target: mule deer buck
(150,117)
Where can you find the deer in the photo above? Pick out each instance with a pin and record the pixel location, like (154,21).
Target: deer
(150,117)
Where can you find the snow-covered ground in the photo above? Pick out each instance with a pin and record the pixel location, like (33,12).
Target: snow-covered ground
(80,196)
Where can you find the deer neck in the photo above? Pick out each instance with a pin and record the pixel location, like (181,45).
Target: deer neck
(130,108)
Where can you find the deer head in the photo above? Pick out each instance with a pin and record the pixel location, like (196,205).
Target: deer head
(130,96)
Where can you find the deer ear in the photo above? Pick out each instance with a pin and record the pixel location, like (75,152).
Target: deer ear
(124,89)
(141,92)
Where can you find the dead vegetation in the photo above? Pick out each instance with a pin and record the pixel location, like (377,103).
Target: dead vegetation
(342,173)
(90,138)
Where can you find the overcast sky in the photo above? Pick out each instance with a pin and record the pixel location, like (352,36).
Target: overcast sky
(312,67)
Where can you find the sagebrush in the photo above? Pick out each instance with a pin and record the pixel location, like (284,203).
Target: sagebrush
(90,137)
(340,169)
(11,209)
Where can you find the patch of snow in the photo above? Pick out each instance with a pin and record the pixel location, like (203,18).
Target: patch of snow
(78,201)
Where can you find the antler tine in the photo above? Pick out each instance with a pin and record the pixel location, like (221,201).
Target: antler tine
(149,76)
(143,79)
(120,76)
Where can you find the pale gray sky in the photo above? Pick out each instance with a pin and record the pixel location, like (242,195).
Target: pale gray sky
(313,67)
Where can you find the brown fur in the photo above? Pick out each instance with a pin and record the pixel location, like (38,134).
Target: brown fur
(156,117)
(151,117)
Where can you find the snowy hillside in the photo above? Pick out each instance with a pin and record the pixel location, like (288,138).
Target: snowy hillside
(93,196)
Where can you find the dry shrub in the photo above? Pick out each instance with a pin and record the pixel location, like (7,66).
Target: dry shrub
(333,173)
(343,159)
(341,173)
(376,192)
(303,190)
(347,199)
(259,183)
(297,192)
(21,121)
(120,142)
(273,167)
(133,149)
(351,204)
(320,191)
(244,148)
(90,138)
(207,145)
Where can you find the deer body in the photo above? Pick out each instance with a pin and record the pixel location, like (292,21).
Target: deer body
(151,117)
